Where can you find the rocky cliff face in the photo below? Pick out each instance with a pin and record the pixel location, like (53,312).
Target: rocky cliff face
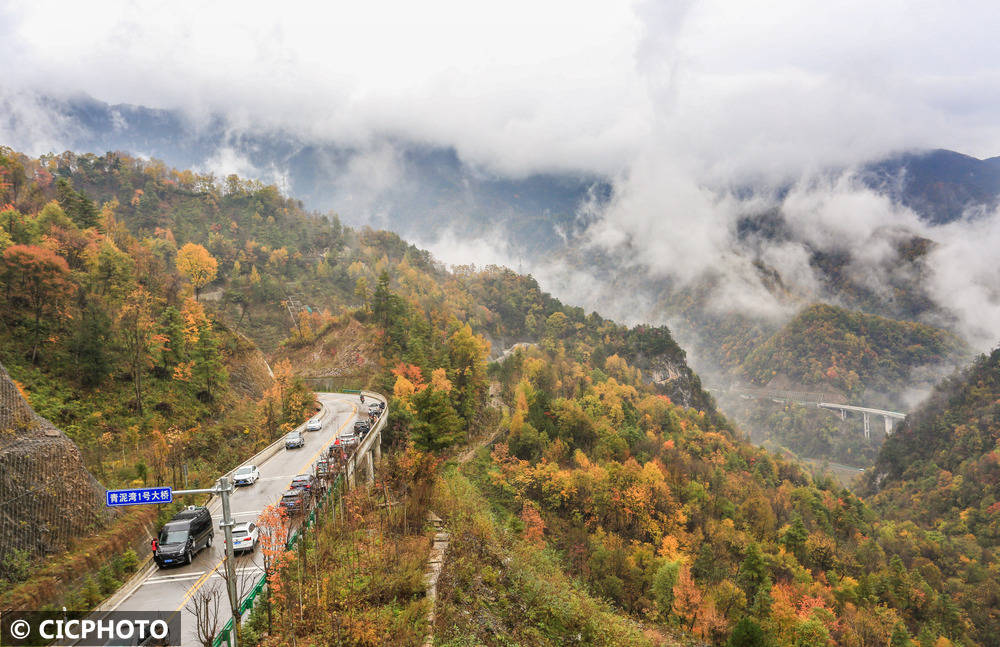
(678,381)
(249,373)
(47,496)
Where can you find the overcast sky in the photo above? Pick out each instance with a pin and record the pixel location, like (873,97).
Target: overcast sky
(725,88)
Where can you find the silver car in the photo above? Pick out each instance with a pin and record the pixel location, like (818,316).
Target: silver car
(294,439)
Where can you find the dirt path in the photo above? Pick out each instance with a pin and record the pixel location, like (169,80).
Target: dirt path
(435,561)
(466,454)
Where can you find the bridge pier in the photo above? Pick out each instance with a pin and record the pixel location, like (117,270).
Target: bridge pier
(352,467)
(888,425)
(868,426)
(378,448)
(370,467)
(843,414)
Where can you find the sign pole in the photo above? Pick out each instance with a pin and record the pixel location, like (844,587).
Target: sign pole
(225,487)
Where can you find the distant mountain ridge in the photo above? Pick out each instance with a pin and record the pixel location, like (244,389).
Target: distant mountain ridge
(415,189)
(421,190)
(940,185)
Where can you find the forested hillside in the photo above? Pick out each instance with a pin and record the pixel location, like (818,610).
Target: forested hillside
(842,356)
(942,467)
(855,355)
(614,489)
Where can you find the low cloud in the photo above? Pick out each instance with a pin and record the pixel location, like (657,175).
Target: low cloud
(698,112)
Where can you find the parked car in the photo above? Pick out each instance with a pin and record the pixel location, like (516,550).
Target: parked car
(245,537)
(294,501)
(314,424)
(379,404)
(246,475)
(182,537)
(305,481)
(294,439)
(362,427)
(347,438)
(374,409)
(322,468)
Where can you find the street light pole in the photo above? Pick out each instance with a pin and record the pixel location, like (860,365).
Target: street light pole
(225,487)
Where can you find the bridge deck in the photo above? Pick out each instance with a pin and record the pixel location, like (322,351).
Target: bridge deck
(875,412)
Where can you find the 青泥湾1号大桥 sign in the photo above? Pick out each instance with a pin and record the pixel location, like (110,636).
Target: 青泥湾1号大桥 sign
(139,496)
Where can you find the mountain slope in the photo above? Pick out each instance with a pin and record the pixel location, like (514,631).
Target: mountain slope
(858,356)
(614,458)
(941,185)
(67,504)
(942,468)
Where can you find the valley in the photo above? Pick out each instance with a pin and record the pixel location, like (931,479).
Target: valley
(619,500)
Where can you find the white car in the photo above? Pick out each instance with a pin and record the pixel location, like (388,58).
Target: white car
(245,535)
(246,475)
(348,437)
(314,425)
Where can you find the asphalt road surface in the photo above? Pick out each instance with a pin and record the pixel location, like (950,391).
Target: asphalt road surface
(170,589)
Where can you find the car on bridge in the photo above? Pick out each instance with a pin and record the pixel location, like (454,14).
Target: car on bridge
(295,501)
(304,481)
(246,475)
(348,438)
(183,537)
(362,427)
(245,536)
(294,439)
(314,424)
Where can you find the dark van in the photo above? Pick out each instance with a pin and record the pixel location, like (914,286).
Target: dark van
(183,536)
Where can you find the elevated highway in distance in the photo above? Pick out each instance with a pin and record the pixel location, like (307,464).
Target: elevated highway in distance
(823,401)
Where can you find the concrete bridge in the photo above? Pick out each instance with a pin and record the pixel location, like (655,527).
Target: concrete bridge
(888,417)
(368,454)
(823,401)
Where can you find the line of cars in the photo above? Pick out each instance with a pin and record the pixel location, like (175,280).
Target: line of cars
(190,530)
(295,439)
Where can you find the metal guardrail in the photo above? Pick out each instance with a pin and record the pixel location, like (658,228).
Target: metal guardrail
(225,634)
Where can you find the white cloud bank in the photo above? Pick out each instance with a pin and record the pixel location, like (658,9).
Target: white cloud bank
(666,98)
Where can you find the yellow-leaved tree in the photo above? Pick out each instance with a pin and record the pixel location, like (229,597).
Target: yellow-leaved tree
(200,267)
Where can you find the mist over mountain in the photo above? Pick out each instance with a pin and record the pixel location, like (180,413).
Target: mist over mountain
(423,189)
(906,236)
(411,187)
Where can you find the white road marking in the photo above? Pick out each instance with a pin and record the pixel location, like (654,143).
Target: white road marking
(183,577)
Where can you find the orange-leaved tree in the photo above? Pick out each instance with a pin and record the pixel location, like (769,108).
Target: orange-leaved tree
(38,278)
(272,527)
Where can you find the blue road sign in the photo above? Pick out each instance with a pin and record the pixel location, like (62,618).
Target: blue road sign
(140,496)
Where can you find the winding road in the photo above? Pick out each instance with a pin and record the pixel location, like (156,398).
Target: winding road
(170,589)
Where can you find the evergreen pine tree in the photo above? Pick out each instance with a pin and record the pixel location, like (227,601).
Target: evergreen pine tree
(794,538)
(747,633)
(753,571)
(208,370)
(438,425)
